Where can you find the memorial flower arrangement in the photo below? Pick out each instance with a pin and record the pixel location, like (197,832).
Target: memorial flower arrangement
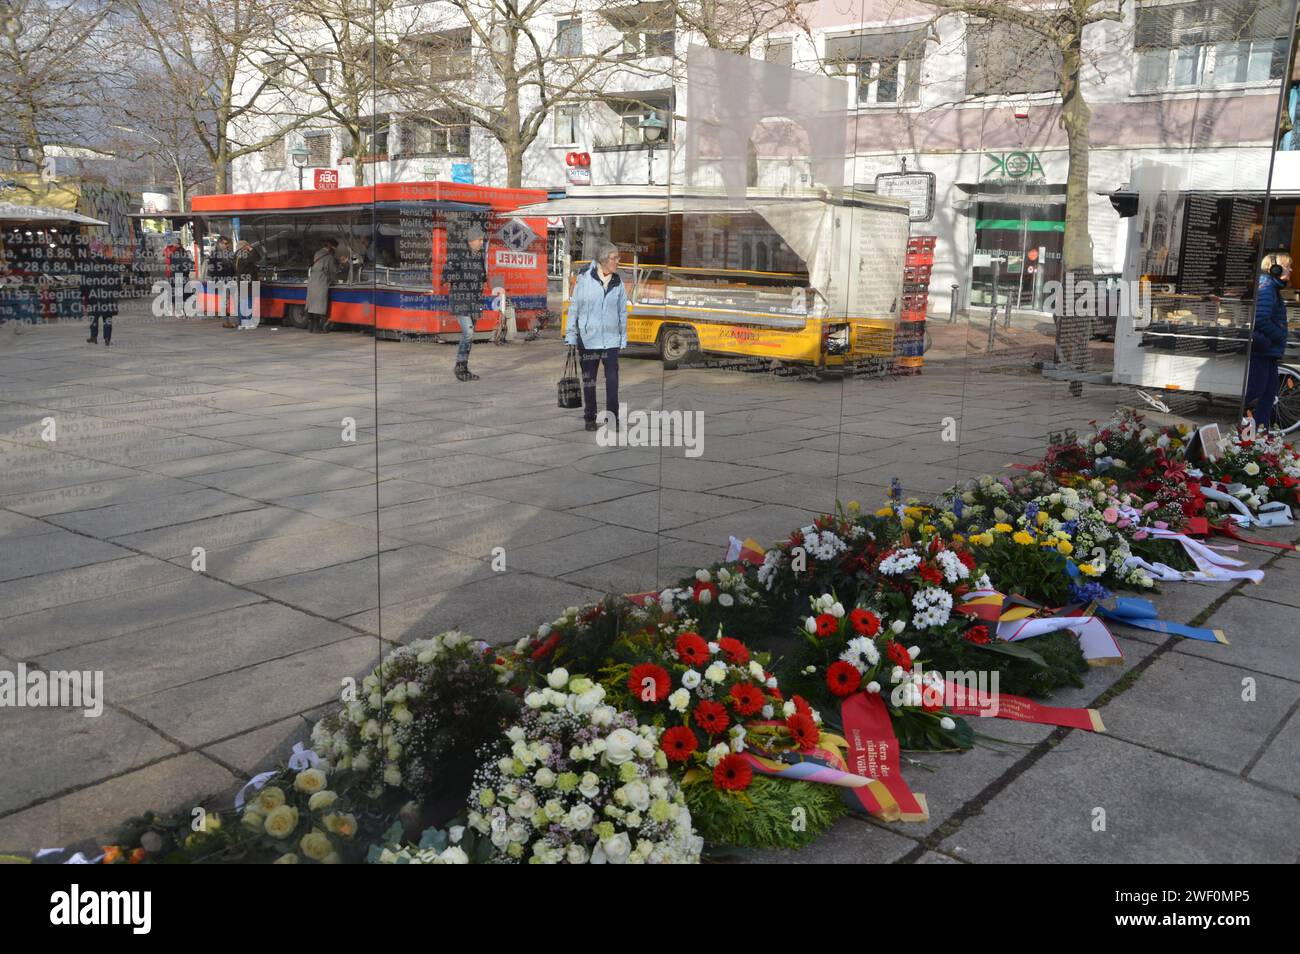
(1258,468)
(576,781)
(298,817)
(416,721)
(839,652)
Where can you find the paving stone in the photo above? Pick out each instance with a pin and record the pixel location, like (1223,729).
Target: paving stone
(1194,708)
(1279,764)
(850,841)
(29,556)
(509,525)
(225,530)
(217,708)
(97,811)
(119,519)
(1262,636)
(50,750)
(84,583)
(1159,809)
(264,749)
(580,550)
(279,556)
(559,489)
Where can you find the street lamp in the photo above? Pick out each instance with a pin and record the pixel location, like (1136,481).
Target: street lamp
(299,155)
(652,130)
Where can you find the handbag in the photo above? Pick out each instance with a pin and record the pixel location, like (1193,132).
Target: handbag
(569,387)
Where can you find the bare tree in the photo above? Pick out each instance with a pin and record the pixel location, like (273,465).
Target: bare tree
(739,25)
(509,71)
(211,53)
(52,74)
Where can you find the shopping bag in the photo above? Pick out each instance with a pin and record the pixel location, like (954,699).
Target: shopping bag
(570,386)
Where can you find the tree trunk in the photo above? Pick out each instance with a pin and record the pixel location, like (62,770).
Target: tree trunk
(1073,332)
(514,167)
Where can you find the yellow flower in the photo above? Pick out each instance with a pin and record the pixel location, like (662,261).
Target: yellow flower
(908,523)
(1042,517)
(958,538)
(315,845)
(310,781)
(1024,539)
(269,799)
(884,511)
(1065,547)
(928,528)
(281,822)
(1001,528)
(1087,569)
(854,506)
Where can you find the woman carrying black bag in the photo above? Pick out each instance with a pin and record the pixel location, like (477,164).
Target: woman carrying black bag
(570,386)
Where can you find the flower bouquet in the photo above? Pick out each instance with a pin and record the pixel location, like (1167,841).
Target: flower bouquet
(1257,469)
(418,719)
(577,781)
(299,816)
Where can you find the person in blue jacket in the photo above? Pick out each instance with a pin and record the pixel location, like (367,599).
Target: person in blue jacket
(1268,342)
(597,326)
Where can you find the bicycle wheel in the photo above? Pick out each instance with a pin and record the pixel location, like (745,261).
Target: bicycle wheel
(1286,409)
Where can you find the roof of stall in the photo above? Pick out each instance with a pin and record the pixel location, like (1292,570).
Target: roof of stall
(41,215)
(441,195)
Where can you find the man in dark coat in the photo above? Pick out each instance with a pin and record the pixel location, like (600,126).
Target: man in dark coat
(465,274)
(1268,340)
(101,288)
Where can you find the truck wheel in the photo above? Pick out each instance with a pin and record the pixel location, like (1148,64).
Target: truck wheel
(677,344)
(295,316)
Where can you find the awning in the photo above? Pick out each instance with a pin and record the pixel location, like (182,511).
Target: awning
(643,202)
(40,214)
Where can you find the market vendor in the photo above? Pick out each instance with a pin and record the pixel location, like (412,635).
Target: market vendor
(1268,341)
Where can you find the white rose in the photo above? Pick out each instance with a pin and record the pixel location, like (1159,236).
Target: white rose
(612,851)
(679,700)
(690,679)
(392,775)
(914,651)
(788,709)
(702,576)
(453,855)
(557,678)
(873,686)
(768,712)
(837,610)
(717,753)
(645,749)
(714,648)
(620,746)
(756,671)
(810,625)
(603,715)
(716,672)
(545,777)
(534,700)
(637,794)
(589,786)
(898,626)
(1251,468)
(726,599)
(1099,448)
(947,724)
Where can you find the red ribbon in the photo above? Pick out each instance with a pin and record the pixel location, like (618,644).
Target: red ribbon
(873,751)
(1020,709)
(1227,529)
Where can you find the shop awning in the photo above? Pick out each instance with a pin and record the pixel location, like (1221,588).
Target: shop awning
(643,202)
(41,215)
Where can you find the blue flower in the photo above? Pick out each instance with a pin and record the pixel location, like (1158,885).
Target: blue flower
(1088,593)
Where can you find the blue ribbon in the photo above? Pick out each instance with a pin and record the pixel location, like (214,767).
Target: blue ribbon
(1133,611)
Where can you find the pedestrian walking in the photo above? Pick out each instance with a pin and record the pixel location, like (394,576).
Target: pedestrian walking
(597,327)
(101,282)
(465,274)
(1268,339)
(324,268)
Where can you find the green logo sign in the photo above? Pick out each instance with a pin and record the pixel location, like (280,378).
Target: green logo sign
(1014,166)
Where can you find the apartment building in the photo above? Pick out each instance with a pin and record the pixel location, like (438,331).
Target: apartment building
(967,108)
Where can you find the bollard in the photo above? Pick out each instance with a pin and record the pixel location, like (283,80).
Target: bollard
(952,305)
(1006,322)
(993,321)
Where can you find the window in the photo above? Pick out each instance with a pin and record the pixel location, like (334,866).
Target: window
(1007,59)
(440,133)
(887,64)
(318,68)
(630,112)
(273,70)
(780,52)
(273,155)
(442,56)
(318,149)
(568,38)
(374,136)
(1210,43)
(649,29)
(566,125)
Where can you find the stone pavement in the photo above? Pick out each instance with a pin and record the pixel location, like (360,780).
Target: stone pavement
(349,495)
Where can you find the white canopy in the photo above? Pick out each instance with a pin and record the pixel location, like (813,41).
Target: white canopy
(9,212)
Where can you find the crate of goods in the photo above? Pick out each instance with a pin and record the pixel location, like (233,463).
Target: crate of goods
(910,339)
(908,365)
(916,301)
(917,274)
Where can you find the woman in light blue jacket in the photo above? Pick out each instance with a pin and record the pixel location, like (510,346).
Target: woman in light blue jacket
(597,327)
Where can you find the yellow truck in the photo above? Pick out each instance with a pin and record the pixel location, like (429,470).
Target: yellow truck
(806,279)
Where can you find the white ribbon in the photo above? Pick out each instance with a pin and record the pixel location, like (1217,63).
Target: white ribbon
(1095,638)
(303,758)
(1272,514)
(255,783)
(1211,566)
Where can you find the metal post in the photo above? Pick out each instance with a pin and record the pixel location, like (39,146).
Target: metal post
(1006,322)
(993,321)
(952,305)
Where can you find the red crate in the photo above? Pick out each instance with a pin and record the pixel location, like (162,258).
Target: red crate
(921,243)
(917,274)
(912,315)
(919,258)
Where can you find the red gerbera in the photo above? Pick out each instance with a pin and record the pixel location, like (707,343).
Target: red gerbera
(692,649)
(649,683)
(979,635)
(678,743)
(747,698)
(542,650)
(930,574)
(734,650)
(899,655)
(966,558)
(732,773)
(801,705)
(803,729)
(710,588)
(711,716)
(843,679)
(865,622)
(827,625)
